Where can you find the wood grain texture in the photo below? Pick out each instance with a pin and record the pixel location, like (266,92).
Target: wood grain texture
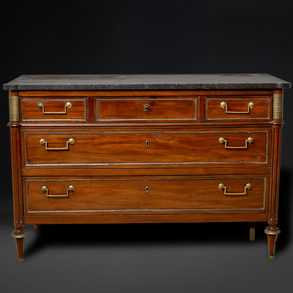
(16,177)
(20,248)
(147,170)
(32,113)
(169,147)
(276,160)
(110,164)
(139,218)
(146,109)
(131,194)
(261,110)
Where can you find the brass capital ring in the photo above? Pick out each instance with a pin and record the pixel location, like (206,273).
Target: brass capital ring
(272,232)
(16,236)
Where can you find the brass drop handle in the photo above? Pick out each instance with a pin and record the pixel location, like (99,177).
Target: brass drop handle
(68,142)
(246,187)
(146,107)
(46,190)
(223,140)
(68,105)
(225,105)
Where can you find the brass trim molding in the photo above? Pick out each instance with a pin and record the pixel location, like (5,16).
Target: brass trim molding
(278,106)
(13,108)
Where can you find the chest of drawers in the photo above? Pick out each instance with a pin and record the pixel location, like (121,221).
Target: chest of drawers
(145,149)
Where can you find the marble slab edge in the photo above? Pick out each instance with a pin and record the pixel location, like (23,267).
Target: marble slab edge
(89,87)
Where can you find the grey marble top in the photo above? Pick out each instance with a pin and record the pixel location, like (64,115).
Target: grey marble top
(146,82)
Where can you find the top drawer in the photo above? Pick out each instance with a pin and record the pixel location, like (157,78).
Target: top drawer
(146,109)
(54,109)
(239,108)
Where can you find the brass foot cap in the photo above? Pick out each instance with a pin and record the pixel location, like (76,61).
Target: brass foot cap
(20,259)
(271,256)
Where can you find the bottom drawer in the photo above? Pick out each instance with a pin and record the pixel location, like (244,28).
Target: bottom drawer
(148,195)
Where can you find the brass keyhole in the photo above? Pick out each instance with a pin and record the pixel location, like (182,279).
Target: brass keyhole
(147,143)
(146,189)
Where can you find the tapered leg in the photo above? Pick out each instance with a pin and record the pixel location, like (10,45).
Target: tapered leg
(272,234)
(19,236)
(252,232)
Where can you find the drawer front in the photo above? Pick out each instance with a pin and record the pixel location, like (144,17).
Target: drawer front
(54,109)
(146,109)
(153,195)
(240,108)
(122,148)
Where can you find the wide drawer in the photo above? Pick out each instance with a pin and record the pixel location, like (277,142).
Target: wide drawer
(181,147)
(146,109)
(153,195)
(238,108)
(54,109)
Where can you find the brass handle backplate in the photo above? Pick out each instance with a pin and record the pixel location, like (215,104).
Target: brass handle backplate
(46,190)
(246,187)
(224,105)
(223,140)
(68,142)
(146,107)
(68,105)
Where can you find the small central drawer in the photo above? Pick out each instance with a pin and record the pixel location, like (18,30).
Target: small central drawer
(152,195)
(146,109)
(147,148)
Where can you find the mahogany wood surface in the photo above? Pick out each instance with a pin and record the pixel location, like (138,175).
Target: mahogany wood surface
(146,194)
(261,109)
(145,218)
(146,109)
(146,170)
(110,163)
(31,112)
(126,147)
